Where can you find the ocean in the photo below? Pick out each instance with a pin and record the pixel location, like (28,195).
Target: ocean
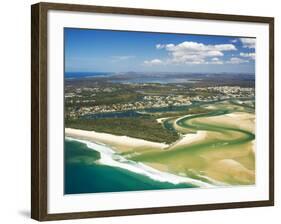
(85,173)
(78,75)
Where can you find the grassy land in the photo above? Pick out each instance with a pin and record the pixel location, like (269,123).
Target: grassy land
(143,128)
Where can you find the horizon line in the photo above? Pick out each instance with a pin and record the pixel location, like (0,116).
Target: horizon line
(158,72)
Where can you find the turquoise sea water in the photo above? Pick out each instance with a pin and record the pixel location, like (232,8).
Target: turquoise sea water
(84,175)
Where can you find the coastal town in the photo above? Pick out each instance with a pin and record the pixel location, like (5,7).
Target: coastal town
(87,97)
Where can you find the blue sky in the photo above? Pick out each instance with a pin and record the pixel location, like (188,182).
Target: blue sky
(88,50)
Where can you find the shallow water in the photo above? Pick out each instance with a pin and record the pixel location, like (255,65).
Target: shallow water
(84,174)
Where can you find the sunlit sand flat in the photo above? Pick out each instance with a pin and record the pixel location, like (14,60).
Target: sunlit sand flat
(216,147)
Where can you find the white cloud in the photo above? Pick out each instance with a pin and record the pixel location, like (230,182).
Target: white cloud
(153,62)
(235,60)
(234,41)
(248,55)
(248,42)
(160,46)
(215,61)
(189,52)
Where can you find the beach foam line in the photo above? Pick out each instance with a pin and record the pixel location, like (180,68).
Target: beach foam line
(110,158)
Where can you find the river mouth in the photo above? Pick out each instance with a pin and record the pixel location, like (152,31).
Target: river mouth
(214,149)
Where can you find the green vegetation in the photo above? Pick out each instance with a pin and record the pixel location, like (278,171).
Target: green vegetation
(219,147)
(103,98)
(143,128)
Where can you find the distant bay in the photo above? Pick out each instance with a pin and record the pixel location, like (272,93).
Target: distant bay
(78,75)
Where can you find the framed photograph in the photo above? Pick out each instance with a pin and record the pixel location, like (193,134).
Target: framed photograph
(139,111)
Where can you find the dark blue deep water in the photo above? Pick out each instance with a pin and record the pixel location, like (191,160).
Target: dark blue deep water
(83,175)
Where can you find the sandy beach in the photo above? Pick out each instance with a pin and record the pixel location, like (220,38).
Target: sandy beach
(119,143)
(189,139)
(226,164)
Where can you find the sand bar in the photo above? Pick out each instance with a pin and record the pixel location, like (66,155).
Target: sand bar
(190,138)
